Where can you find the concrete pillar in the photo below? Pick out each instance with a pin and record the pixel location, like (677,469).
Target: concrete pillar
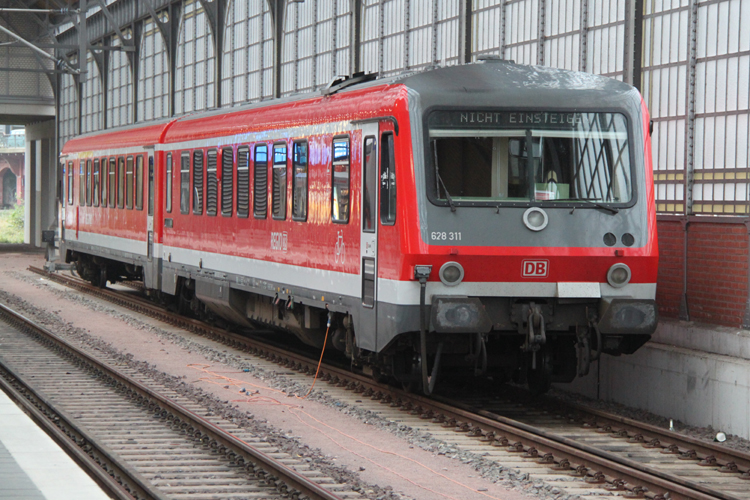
(38,193)
(27,190)
(40,189)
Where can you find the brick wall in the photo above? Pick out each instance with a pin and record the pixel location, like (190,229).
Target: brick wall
(669,282)
(717,269)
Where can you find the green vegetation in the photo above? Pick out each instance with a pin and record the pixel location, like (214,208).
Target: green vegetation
(11,225)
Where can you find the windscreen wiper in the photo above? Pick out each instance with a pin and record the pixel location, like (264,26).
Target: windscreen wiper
(440,179)
(447,194)
(590,201)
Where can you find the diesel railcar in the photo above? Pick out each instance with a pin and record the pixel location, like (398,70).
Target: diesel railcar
(489,219)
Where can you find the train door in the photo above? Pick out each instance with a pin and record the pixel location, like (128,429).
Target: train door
(367,331)
(151,274)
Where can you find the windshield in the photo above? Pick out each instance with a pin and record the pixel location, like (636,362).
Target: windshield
(529,157)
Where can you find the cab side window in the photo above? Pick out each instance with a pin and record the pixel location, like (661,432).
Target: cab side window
(387,180)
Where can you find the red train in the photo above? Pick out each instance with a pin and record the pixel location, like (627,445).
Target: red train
(489,220)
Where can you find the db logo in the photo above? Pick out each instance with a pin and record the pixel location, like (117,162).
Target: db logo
(535,268)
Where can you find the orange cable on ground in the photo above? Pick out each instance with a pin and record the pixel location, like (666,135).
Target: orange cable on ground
(320,361)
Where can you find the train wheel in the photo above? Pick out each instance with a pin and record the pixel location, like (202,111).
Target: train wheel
(100,279)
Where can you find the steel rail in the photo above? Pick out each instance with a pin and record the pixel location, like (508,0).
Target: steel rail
(527,440)
(22,394)
(641,432)
(200,428)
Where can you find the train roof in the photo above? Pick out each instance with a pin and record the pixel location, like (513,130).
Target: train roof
(491,83)
(499,83)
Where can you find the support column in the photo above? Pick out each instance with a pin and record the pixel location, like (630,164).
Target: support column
(37,168)
(27,191)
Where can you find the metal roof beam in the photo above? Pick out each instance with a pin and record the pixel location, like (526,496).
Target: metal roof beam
(37,50)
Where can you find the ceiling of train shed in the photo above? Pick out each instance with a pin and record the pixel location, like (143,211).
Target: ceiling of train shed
(28,63)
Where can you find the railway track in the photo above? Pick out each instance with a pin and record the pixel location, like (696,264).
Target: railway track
(142,441)
(577,449)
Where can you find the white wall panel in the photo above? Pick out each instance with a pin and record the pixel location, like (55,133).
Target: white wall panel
(606,38)
(248,30)
(91,101)
(195,71)
(721,169)
(664,88)
(315,45)
(562,34)
(119,89)
(404,35)
(153,75)
(487,24)
(522,31)
(68,119)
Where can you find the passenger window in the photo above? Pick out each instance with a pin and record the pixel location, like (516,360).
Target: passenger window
(95,184)
(340,196)
(88,183)
(387,181)
(261,181)
(279,182)
(129,183)
(112,182)
(70,182)
(370,174)
(104,180)
(121,182)
(212,183)
(168,194)
(81,183)
(299,191)
(198,182)
(243,181)
(185,183)
(139,182)
(227,182)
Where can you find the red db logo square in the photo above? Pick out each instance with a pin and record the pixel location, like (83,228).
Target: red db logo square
(535,268)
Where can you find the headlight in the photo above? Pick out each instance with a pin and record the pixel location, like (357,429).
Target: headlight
(535,219)
(451,273)
(618,275)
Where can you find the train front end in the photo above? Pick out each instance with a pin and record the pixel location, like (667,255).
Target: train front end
(537,235)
